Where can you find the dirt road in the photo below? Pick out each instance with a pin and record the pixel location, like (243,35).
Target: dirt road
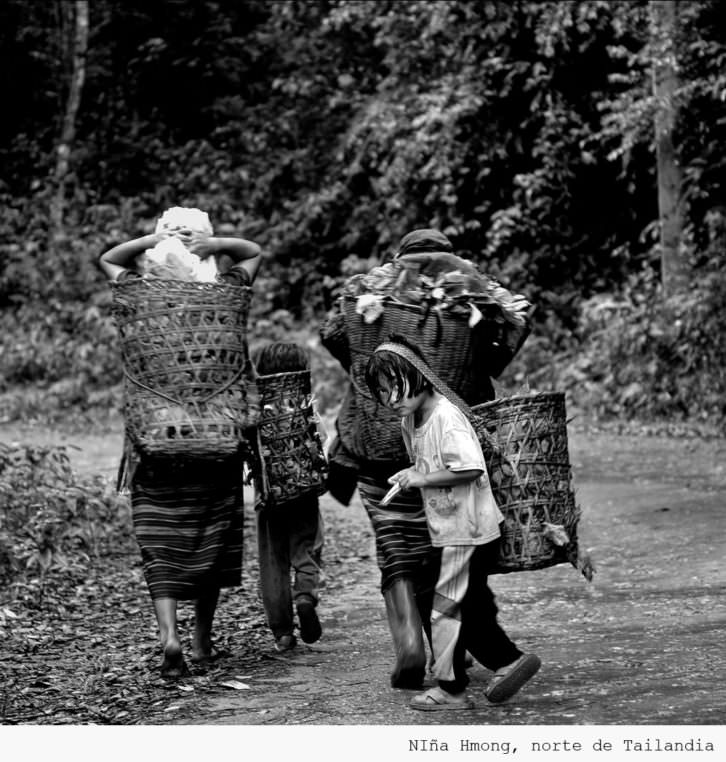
(640,645)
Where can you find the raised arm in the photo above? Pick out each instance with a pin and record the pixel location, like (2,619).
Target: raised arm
(120,258)
(229,252)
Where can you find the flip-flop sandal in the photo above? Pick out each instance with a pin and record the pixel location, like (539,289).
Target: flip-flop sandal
(508,680)
(437,700)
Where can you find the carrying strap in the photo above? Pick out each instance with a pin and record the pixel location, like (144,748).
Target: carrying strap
(206,399)
(441,386)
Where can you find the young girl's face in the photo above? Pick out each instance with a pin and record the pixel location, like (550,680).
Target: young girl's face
(401,403)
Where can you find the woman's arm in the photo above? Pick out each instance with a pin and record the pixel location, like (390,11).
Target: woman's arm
(229,252)
(121,257)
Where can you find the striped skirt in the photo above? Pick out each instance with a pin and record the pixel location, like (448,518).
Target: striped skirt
(403,545)
(188,522)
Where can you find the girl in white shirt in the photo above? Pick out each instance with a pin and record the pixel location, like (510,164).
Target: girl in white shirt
(463,520)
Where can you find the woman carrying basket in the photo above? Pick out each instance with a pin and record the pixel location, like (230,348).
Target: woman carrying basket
(187,516)
(403,546)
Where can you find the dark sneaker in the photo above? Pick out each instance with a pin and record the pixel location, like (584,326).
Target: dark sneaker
(310,629)
(508,680)
(285,643)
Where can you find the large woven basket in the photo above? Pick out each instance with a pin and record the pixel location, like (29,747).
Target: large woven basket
(189,386)
(292,462)
(531,479)
(443,337)
(369,429)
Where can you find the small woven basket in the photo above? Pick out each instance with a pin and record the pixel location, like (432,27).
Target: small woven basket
(291,458)
(531,479)
(189,386)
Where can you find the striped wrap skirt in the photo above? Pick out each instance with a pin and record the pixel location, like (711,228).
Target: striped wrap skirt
(188,521)
(403,545)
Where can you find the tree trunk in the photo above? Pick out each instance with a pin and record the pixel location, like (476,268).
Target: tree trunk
(68,129)
(674,264)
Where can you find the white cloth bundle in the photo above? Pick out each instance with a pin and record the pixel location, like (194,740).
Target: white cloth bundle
(170,258)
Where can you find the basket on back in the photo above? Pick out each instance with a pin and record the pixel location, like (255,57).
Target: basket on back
(189,387)
(445,340)
(292,463)
(531,479)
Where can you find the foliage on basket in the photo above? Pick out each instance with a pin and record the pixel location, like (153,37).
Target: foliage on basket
(461,290)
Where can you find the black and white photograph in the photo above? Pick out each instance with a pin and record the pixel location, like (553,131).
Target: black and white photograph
(363,378)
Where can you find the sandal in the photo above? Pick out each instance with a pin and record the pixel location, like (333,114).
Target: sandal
(508,680)
(437,700)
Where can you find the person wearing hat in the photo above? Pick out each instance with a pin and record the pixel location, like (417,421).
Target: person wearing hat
(403,547)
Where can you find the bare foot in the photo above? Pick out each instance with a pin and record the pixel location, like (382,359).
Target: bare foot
(202,650)
(173,665)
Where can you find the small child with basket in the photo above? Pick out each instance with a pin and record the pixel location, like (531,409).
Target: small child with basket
(289,529)
(464,524)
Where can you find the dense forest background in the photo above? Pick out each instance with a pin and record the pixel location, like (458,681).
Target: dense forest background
(574,150)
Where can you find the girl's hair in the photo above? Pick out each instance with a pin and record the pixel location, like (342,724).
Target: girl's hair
(397,373)
(281,357)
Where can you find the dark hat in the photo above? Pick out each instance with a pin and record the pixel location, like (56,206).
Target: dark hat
(423,240)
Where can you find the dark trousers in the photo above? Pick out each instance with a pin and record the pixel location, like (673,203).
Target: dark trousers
(480,635)
(289,538)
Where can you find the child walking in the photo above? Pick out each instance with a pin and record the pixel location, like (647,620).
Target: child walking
(464,524)
(289,536)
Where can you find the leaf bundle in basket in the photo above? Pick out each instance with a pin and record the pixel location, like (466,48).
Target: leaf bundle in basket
(467,326)
(291,458)
(451,289)
(531,478)
(189,385)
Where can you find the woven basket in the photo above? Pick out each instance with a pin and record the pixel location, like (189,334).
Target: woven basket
(531,479)
(443,337)
(189,387)
(291,458)
(369,429)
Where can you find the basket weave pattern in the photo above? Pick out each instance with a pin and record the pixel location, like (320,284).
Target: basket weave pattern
(444,339)
(189,388)
(292,462)
(531,478)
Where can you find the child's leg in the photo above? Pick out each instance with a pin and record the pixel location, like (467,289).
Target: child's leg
(204,608)
(305,546)
(486,640)
(446,629)
(274,561)
(482,634)
(306,540)
(447,616)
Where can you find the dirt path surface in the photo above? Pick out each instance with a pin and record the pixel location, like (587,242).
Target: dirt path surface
(640,645)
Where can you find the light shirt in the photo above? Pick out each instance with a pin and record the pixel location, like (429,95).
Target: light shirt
(465,514)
